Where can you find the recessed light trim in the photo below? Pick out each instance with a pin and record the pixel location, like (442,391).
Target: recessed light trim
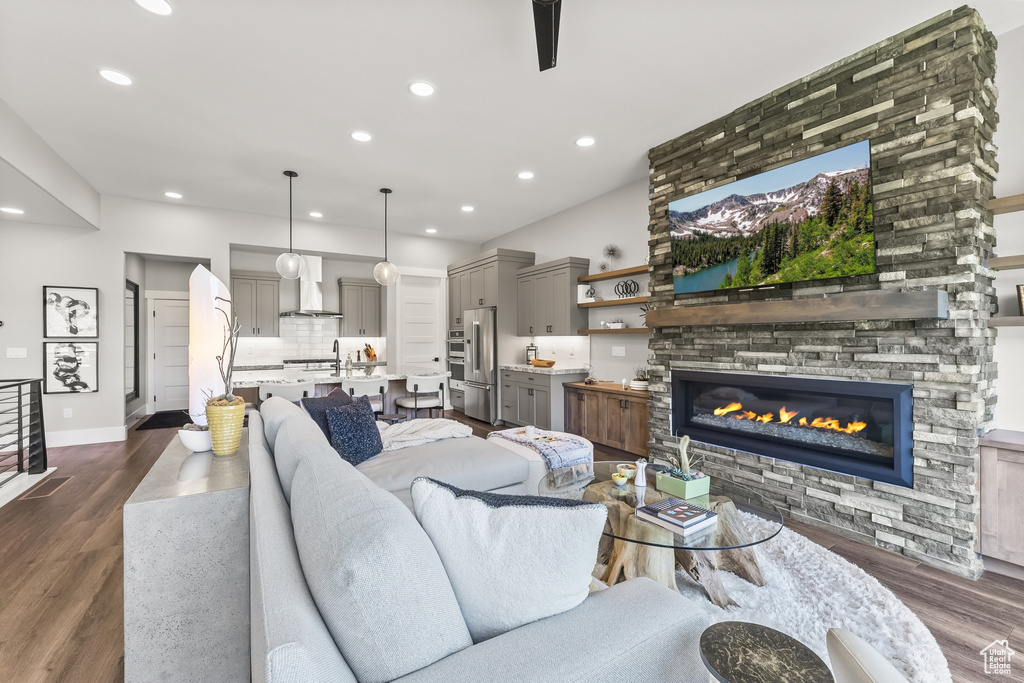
(525,175)
(161,7)
(361,136)
(585,141)
(11,209)
(115,76)
(468,209)
(421,88)
(431,231)
(173,195)
(315,214)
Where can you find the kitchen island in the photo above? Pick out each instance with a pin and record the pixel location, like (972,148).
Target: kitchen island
(247,382)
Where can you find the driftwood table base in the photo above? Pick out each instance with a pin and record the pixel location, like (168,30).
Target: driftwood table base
(629,559)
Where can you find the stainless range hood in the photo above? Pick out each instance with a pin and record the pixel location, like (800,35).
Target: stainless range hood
(311,292)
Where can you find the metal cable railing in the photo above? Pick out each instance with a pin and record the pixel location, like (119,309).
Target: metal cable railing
(22,438)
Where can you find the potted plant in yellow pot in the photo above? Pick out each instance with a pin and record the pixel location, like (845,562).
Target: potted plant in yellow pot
(680,480)
(226,412)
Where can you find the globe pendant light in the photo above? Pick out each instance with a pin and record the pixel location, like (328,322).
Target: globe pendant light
(385,271)
(290,265)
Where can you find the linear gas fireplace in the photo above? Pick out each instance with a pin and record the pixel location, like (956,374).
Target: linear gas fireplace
(864,429)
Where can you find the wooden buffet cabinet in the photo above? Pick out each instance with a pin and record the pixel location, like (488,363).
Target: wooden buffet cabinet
(606,414)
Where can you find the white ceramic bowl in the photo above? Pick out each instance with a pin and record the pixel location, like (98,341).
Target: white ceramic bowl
(197,442)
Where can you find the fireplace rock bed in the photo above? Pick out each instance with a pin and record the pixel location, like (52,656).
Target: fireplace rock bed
(807,435)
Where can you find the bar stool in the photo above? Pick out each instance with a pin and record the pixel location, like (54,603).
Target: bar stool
(423,394)
(289,392)
(366,386)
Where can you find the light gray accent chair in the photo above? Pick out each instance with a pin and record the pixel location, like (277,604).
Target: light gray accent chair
(634,631)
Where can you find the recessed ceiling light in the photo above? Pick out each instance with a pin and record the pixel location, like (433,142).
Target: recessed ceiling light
(525,175)
(315,214)
(431,231)
(421,88)
(467,208)
(173,195)
(361,136)
(161,7)
(585,141)
(8,209)
(115,77)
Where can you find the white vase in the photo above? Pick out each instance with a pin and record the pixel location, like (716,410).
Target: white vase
(638,385)
(196,441)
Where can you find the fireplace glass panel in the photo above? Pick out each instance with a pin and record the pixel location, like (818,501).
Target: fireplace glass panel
(828,422)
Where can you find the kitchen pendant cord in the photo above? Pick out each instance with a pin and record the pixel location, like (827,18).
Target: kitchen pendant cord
(385,191)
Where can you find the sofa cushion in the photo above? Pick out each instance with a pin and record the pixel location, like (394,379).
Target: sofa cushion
(854,660)
(317,408)
(297,439)
(511,559)
(469,463)
(275,410)
(354,432)
(375,577)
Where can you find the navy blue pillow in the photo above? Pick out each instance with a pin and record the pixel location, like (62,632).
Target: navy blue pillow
(354,432)
(317,408)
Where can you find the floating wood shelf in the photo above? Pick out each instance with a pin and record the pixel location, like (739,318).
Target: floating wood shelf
(1007,321)
(875,305)
(1006,262)
(612,274)
(998,205)
(614,302)
(622,330)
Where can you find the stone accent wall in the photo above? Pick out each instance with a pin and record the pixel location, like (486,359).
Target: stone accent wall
(926,100)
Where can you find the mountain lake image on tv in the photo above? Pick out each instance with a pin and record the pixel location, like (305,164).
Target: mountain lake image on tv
(804,221)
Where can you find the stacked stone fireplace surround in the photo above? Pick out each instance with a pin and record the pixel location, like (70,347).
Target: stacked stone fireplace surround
(926,100)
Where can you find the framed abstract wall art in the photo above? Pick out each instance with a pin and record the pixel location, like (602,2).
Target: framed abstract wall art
(70,367)
(70,312)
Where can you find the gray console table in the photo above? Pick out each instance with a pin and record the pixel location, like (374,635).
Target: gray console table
(186,569)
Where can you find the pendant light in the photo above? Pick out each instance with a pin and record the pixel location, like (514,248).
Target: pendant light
(385,272)
(290,265)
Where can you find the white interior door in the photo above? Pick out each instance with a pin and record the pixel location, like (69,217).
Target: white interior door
(170,355)
(420,323)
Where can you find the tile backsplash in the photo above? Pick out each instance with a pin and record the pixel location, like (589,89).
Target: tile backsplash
(565,351)
(303,338)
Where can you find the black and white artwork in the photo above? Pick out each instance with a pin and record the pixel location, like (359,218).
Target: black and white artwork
(70,312)
(70,367)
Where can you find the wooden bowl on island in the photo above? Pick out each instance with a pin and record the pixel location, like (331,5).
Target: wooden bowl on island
(538,363)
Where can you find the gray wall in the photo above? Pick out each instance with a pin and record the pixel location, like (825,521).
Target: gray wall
(618,217)
(170,276)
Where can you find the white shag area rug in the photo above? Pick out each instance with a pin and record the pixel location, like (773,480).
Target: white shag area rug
(810,589)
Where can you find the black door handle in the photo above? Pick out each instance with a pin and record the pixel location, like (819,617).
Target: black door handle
(531,329)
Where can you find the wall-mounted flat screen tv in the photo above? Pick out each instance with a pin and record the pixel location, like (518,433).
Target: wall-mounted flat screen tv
(807,220)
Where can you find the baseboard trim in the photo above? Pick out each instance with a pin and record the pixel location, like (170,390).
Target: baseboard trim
(80,437)
(1014,571)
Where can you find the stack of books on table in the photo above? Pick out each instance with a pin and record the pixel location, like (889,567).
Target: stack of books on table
(678,516)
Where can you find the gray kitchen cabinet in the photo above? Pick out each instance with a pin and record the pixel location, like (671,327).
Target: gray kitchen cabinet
(455,301)
(256,298)
(526,398)
(360,308)
(547,298)
(483,286)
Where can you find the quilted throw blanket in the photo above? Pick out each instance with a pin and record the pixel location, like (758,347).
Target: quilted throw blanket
(421,431)
(568,458)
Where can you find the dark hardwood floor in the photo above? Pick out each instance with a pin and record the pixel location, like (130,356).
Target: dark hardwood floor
(61,570)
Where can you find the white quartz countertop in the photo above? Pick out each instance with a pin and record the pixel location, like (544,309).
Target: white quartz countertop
(557,370)
(253,378)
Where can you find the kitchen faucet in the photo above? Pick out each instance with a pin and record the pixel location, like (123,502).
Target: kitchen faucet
(337,359)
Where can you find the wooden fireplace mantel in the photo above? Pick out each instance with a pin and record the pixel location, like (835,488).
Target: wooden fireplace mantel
(880,304)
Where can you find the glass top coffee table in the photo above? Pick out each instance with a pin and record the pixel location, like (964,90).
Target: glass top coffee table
(635,547)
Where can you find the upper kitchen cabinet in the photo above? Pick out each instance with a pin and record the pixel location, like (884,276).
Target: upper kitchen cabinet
(256,298)
(547,298)
(475,282)
(360,307)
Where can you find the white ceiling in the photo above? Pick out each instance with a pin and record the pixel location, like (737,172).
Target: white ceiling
(229,93)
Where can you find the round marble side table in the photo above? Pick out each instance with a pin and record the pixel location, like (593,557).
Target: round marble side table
(739,652)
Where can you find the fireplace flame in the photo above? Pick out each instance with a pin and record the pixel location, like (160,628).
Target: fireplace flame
(728,409)
(785,416)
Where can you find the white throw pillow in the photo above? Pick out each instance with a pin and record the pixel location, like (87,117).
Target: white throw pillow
(511,559)
(855,661)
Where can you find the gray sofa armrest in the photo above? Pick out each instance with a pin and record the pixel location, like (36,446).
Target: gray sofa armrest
(634,631)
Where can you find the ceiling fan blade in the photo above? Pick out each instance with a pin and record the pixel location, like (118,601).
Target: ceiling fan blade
(545,24)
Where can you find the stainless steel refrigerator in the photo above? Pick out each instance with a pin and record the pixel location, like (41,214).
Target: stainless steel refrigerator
(481,364)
